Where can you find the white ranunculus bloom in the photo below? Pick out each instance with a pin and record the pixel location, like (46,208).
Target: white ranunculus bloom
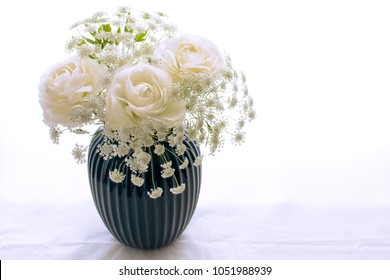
(141,92)
(66,86)
(190,54)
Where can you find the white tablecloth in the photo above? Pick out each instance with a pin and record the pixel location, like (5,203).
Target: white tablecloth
(280,231)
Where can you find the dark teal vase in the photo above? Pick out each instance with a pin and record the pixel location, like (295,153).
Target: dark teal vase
(128,212)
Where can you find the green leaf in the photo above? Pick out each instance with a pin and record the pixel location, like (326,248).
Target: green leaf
(79,131)
(106,27)
(140,37)
(81,43)
(127,29)
(209,128)
(89,40)
(146,16)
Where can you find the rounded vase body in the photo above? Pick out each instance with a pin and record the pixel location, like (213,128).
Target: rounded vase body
(128,212)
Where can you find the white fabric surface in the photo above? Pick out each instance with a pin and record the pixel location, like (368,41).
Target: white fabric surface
(281,231)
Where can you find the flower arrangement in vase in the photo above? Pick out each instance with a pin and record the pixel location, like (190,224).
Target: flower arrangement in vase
(155,96)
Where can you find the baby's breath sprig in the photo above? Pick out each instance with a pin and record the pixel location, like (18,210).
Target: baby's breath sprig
(120,39)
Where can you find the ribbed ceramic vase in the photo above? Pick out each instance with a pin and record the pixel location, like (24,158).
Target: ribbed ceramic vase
(128,212)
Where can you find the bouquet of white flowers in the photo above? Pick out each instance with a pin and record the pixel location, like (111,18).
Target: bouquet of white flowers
(144,84)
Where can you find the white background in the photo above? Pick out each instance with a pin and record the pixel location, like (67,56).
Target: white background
(318,72)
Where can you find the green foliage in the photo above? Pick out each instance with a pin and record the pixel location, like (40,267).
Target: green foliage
(106,27)
(140,37)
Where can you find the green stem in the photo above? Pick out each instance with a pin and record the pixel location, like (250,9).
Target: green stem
(189,148)
(152,170)
(177,183)
(174,154)
(120,165)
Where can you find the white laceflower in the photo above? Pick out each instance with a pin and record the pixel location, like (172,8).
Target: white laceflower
(198,160)
(184,164)
(159,149)
(143,157)
(180,149)
(91,28)
(161,135)
(106,150)
(78,153)
(172,141)
(178,190)
(116,176)
(167,172)
(238,137)
(55,133)
(84,51)
(155,193)
(122,150)
(137,181)
(166,165)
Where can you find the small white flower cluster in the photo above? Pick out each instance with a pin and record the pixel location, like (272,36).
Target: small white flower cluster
(211,102)
(116,176)
(115,41)
(79,153)
(55,133)
(150,90)
(179,189)
(138,144)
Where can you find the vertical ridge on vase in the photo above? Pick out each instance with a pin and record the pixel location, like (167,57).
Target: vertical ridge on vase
(135,220)
(107,197)
(188,174)
(119,213)
(99,179)
(155,222)
(124,215)
(181,199)
(146,232)
(187,194)
(165,225)
(110,195)
(171,226)
(128,209)
(131,216)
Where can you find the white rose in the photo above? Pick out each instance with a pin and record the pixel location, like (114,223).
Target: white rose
(66,86)
(190,54)
(139,93)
